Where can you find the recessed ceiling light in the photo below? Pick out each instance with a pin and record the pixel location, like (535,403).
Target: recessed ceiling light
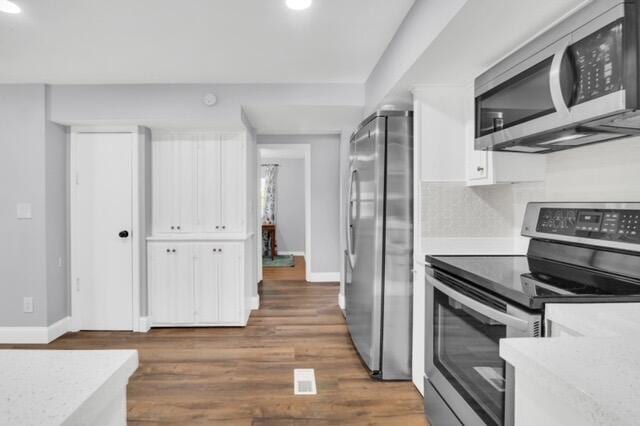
(7,6)
(298,4)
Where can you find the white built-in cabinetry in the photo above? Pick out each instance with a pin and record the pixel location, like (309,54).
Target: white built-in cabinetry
(201,254)
(197,283)
(199,184)
(491,167)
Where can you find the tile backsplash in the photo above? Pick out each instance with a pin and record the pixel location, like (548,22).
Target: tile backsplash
(608,171)
(453,210)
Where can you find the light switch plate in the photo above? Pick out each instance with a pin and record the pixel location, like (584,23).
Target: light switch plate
(23,211)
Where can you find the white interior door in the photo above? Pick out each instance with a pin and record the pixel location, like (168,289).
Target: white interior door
(101,226)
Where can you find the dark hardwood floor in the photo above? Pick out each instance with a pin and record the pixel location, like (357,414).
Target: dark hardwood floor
(244,376)
(295,273)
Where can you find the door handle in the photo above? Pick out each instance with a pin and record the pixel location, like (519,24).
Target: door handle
(123,234)
(555,79)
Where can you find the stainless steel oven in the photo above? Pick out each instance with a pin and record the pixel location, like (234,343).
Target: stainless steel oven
(464,325)
(575,84)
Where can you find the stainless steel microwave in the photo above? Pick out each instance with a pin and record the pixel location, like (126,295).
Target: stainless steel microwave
(575,84)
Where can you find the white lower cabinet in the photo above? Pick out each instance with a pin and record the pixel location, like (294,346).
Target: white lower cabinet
(171,283)
(218,283)
(197,284)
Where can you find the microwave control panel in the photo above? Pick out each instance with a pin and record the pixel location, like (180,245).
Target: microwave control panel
(598,60)
(599,224)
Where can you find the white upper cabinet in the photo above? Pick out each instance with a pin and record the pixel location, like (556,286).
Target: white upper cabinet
(199,183)
(174,184)
(209,185)
(233,176)
(490,167)
(444,123)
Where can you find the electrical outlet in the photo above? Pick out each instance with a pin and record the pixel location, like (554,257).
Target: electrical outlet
(27,305)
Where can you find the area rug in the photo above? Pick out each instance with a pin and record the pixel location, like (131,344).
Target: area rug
(284,261)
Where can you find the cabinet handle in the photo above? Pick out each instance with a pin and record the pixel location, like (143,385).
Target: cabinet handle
(168,250)
(224,227)
(480,169)
(178,227)
(173,251)
(173,227)
(217,227)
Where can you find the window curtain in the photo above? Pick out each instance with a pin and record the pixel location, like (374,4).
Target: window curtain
(269,183)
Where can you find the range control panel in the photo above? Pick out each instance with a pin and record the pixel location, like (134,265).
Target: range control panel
(600,224)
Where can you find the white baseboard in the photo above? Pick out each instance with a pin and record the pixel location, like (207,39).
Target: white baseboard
(324,277)
(34,335)
(58,328)
(255,303)
(341,301)
(294,253)
(144,325)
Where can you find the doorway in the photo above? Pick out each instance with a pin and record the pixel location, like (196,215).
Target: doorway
(102,228)
(284,211)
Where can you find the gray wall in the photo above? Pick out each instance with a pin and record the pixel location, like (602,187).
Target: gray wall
(31,171)
(56,222)
(325,196)
(290,204)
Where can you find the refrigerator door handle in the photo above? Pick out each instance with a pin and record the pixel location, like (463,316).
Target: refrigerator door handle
(349,227)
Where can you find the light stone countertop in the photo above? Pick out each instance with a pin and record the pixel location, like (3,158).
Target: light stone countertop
(51,387)
(597,319)
(599,377)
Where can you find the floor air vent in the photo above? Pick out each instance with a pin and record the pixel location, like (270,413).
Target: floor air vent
(304,381)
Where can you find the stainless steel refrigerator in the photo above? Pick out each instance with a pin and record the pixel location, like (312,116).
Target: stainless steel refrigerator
(379,254)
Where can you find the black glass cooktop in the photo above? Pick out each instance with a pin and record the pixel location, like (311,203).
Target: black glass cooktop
(533,281)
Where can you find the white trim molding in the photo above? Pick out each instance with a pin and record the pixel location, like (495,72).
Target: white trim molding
(144,325)
(341,302)
(255,303)
(324,277)
(293,253)
(304,150)
(35,335)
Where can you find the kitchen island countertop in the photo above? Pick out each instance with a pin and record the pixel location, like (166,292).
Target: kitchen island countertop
(55,387)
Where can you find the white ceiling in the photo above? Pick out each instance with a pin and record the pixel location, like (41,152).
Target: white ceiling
(283,120)
(481,34)
(195,41)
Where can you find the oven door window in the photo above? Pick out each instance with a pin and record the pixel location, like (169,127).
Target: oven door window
(519,99)
(465,349)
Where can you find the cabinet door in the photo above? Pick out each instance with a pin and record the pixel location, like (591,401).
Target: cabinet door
(231,283)
(171,283)
(208,283)
(165,191)
(209,185)
(233,192)
(186,181)
(478,164)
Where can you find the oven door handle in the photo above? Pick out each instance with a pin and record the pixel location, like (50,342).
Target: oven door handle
(481,308)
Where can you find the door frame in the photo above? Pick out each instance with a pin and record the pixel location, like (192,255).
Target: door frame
(298,151)
(138,225)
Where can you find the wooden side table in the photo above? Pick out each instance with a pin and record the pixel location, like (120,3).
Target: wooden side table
(270,230)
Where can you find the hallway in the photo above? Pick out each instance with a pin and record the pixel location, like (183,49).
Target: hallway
(244,376)
(294,273)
